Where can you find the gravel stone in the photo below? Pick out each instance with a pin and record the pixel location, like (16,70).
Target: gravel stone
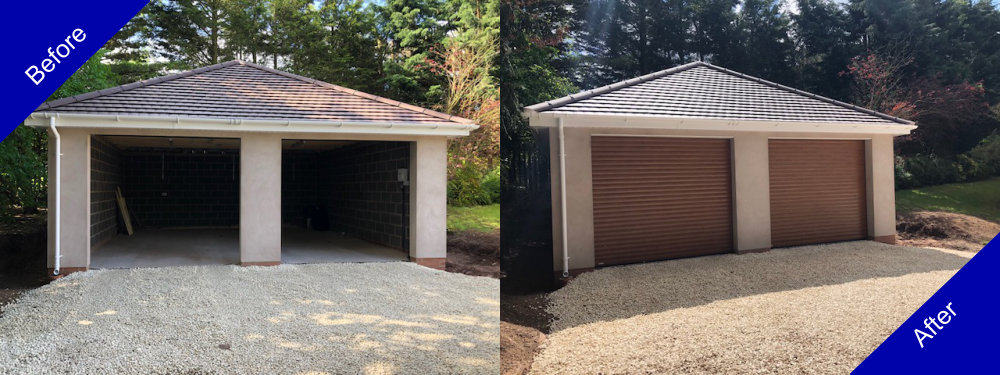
(370,318)
(809,309)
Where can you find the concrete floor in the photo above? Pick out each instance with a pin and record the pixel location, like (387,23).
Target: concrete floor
(194,247)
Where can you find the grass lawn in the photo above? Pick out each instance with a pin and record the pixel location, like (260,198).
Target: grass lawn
(481,218)
(980,199)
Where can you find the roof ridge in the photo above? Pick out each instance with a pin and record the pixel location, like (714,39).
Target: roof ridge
(134,85)
(811,95)
(555,103)
(362,94)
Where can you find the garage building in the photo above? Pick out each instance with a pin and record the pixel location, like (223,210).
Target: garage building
(237,163)
(699,160)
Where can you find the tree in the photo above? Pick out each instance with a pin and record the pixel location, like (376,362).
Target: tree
(714,35)
(349,51)
(23,154)
(246,30)
(765,44)
(622,39)
(415,30)
(824,47)
(878,79)
(189,30)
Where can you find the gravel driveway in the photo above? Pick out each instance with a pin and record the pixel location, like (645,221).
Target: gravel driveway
(374,318)
(811,309)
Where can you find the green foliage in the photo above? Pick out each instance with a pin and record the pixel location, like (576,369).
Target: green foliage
(979,198)
(491,185)
(469,185)
(923,170)
(189,30)
(22,171)
(983,161)
(980,163)
(479,218)
(23,154)
(416,28)
(92,76)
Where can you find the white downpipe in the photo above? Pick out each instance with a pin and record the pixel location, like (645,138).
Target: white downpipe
(58,184)
(562,196)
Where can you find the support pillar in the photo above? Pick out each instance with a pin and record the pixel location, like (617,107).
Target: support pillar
(751,193)
(429,202)
(882,189)
(260,200)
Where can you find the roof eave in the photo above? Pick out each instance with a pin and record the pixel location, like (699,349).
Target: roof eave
(602,120)
(156,122)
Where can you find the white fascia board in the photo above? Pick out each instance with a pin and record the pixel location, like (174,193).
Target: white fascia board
(98,121)
(603,120)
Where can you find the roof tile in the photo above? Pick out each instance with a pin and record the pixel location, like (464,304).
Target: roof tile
(240,90)
(703,90)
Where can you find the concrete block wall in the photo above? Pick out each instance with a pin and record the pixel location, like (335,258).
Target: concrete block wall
(105,177)
(366,200)
(301,174)
(182,188)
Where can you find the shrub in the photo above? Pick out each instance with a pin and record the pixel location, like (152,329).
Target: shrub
(491,186)
(923,170)
(471,185)
(904,179)
(983,161)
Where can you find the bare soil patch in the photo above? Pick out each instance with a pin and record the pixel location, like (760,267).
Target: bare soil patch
(22,256)
(474,253)
(945,229)
(524,323)
(518,347)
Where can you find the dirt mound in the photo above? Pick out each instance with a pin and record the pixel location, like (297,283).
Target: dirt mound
(474,253)
(518,346)
(945,229)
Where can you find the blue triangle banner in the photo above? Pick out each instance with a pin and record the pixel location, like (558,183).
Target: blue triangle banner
(955,331)
(46,42)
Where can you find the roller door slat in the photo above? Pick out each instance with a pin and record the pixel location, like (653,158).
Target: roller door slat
(660,198)
(818,191)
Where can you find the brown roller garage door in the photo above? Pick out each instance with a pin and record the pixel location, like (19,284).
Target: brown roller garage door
(817,191)
(659,198)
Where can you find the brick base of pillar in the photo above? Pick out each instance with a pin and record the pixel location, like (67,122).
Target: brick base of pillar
(751,251)
(890,239)
(64,271)
(263,264)
(435,263)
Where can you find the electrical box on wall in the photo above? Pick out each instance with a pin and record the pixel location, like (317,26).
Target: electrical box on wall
(403,176)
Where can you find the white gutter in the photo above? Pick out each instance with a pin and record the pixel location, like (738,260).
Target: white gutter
(88,120)
(562,197)
(58,195)
(662,122)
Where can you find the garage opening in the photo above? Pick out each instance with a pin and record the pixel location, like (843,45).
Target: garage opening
(181,201)
(344,201)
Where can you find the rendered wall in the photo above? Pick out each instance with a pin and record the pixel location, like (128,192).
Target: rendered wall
(74,200)
(260,199)
(428,201)
(751,187)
